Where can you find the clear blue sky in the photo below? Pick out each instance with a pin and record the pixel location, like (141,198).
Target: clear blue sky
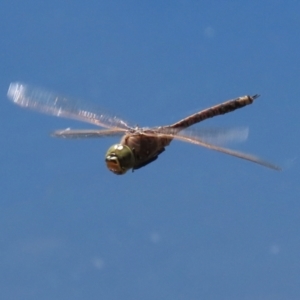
(193,225)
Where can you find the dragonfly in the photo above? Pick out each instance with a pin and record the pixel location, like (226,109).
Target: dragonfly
(138,146)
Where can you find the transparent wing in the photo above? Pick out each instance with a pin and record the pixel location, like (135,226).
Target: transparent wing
(197,141)
(200,137)
(217,136)
(89,133)
(49,103)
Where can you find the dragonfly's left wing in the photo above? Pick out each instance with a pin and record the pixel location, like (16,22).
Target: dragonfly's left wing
(198,141)
(208,138)
(49,103)
(88,133)
(217,136)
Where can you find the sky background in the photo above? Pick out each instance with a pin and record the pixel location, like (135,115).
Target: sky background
(195,224)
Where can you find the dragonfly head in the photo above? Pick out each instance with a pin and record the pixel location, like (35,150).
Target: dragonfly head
(119,159)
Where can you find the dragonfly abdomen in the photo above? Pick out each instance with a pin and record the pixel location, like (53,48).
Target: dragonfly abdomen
(216,110)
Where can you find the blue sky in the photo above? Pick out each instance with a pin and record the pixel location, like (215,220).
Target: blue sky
(195,224)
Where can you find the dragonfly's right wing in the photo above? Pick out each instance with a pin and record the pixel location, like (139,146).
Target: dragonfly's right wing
(88,133)
(49,103)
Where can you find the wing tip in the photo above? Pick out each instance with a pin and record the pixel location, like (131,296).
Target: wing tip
(15,91)
(277,168)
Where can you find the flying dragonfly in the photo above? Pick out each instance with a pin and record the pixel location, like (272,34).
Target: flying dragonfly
(138,146)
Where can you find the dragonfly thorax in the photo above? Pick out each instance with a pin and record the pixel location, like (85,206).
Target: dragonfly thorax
(119,159)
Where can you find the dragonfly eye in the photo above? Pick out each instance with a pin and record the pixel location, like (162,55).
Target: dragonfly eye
(119,159)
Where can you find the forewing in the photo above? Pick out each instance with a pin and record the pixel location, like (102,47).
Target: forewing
(81,134)
(252,158)
(49,103)
(221,136)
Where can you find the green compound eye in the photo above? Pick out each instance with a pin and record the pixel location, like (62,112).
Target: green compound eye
(119,159)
